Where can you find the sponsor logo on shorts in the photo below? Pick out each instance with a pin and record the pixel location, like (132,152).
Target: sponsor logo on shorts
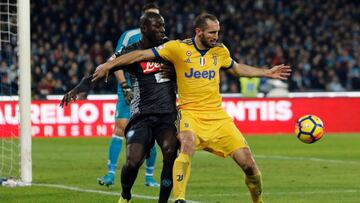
(130,134)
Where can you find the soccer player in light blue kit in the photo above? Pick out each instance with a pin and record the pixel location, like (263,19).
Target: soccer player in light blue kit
(122,114)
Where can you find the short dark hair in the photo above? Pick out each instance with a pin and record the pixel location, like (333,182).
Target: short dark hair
(145,18)
(148,6)
(200,20)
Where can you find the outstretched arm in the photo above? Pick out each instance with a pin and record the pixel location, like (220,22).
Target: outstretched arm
(83,87)
(281,72)
(139,55)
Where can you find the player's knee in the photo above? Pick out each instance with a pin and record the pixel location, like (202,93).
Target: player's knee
(120,125)
(244,159)
(134,161)
(250,168)
(187,142)
(132,164)
(169,148)
(119,132)
(169,153)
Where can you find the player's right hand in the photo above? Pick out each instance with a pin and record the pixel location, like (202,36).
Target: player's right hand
(68,97)
(281,72)
(100,72)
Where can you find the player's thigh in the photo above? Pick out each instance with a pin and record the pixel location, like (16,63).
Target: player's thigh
(165,132)
(140,131)
(227,140)
(135,154)
(186,121)
(188,130)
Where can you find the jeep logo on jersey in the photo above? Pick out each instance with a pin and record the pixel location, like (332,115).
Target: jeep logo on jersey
(200,74)
(150,66)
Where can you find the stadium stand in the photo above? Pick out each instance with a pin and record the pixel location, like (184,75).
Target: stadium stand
(319,39)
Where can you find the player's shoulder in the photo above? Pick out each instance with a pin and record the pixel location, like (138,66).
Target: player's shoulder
(220,45)
(182,43)
(220,48)
(130,48)
(132,32)
(172,44)
(188,41)
(129,36)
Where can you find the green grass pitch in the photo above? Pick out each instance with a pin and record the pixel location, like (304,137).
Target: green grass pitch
(65,170)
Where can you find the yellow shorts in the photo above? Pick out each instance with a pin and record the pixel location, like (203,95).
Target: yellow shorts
(215,131)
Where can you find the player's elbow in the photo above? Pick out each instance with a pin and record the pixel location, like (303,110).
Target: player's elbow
(136,56)
(233,72)
(237,72)
(243,71)
(142,55)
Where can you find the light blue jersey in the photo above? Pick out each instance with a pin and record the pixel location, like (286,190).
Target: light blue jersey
(127,38)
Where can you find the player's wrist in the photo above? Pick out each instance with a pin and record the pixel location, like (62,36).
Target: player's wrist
(123,84)
(125,87)
(112,57)
(108,65)
(266,73)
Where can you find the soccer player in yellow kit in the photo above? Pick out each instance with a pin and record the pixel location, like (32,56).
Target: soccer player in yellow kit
(202,122)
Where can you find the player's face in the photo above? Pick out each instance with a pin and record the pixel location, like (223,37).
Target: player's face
(210,34)
(156,30)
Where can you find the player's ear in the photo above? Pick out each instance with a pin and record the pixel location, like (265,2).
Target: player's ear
(143,28)
(198,31)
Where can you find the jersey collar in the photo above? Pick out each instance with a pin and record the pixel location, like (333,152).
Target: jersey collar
(202,52)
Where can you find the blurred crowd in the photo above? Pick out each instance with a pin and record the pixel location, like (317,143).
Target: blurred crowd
(319,39)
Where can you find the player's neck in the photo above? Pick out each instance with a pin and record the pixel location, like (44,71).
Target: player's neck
(145,43)
(199,44)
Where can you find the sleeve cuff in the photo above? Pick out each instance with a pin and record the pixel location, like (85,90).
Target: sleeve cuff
(231,64)
(156,53)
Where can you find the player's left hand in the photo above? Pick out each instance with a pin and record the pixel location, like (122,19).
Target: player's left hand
(128,94)
(281,72)
(100,72)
